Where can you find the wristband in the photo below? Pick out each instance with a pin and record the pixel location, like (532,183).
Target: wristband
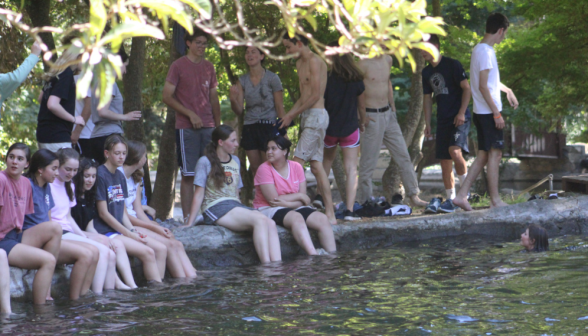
(499,116)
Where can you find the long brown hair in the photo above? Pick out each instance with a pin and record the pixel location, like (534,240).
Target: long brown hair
(64,155)
(135,152)
(539,235)
(217,172)
(343,66)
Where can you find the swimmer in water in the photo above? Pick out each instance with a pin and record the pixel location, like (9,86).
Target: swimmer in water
(535,239)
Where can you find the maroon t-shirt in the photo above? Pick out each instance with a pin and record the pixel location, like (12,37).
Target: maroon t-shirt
(193,82)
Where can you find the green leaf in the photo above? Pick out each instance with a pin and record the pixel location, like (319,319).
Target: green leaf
(311,20)
(127,30)
(98,17)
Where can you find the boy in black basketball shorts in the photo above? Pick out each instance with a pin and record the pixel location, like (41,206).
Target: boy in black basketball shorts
(486,87)
(445,80)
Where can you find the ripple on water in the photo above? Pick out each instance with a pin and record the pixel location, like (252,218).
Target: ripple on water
(450,286)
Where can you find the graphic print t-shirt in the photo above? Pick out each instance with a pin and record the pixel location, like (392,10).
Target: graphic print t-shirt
(43,200)
(444,81)
(230,187)
(111,188)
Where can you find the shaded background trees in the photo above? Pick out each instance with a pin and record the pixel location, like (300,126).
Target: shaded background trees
(543,61)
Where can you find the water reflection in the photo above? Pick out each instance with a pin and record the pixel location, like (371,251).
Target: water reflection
(453,286)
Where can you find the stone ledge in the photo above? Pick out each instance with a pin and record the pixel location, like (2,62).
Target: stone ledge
(210,246)
(213,246)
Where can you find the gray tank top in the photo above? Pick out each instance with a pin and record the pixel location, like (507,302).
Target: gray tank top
(259,100)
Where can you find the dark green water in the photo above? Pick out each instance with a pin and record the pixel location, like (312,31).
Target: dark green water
(453,286)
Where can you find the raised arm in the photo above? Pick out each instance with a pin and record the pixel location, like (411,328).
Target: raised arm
(11,81)
(105,112)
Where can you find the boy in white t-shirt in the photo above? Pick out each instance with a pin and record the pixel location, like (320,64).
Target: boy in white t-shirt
(486,87)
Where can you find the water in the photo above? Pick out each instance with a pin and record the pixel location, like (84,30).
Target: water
(453,286)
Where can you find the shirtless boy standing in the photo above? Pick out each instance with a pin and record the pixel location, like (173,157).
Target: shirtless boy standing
(312,76)
(379,102)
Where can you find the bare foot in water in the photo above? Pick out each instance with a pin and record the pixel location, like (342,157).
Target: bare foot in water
(462,203)
(497,204)
(415,201)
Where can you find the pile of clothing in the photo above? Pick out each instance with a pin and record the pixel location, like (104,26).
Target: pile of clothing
(376,207)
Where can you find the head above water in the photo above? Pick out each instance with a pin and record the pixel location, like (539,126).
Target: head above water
(278,149)
(44,163)
(535,239)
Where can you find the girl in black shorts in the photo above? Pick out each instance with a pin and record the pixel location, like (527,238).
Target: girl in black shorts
(280,194)
(261,91)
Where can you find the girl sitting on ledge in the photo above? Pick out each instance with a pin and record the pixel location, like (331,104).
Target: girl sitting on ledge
(280,194)
(51,203)
(178,263)
(112,219)
(217,184)
(36,249)
(83,214)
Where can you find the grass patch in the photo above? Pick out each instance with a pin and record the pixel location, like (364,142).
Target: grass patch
(506,198)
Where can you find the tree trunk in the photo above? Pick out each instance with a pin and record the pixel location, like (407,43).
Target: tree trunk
(38,12)
(412,130)
(133,84)
(167,167)
(436,8)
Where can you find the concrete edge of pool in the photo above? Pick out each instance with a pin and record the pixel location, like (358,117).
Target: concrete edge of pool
(214,246)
